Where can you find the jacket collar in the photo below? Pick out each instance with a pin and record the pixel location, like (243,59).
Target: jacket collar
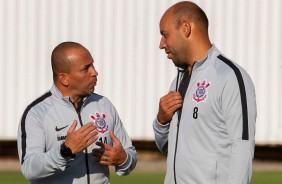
(67,100)
(212,53)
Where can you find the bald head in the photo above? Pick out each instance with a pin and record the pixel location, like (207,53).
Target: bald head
(60,59)
(184,30)
(187,10)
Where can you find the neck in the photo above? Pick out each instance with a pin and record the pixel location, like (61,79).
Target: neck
(200,52)
(66,92)
(199,44)
(77,103)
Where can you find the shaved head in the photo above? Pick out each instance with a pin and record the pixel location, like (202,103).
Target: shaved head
(187,10)
(60,58)
(185,36)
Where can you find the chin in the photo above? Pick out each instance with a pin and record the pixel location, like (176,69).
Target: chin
(89,92)
(180,65)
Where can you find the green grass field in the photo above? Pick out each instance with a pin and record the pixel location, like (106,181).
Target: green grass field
(147,178)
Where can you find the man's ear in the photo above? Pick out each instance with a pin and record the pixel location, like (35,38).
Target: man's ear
(186,28)
(63,79)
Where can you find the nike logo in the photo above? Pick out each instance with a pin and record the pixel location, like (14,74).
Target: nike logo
(59,129)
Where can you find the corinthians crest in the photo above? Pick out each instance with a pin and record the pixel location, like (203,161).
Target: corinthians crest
(201,93)
(99,120)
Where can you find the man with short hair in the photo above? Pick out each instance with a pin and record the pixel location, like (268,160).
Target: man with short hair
(206,123)
(58,130)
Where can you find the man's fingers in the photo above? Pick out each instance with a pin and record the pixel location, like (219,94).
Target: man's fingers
(174,102)
(169,102)
(173,99)
(97,153)
(103,162)
(100,144)
(171,107)
(91,137)
(168,105)
(175,107)
(87,128)
(91,131)
(171,95)
(101,153)
(104,146)
(114,138)
(101,158)
(73,125)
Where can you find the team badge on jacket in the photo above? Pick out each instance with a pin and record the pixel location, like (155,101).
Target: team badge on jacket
(99,120)
(201,94)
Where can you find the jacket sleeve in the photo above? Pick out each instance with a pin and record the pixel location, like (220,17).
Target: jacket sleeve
(161,131)
(161,135)
(120,132)
(240,129)
(35,161)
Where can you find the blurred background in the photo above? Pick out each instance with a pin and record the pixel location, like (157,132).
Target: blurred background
(123,37)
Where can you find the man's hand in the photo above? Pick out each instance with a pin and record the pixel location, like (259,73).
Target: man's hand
(82,138)
(168,105)
(110,155)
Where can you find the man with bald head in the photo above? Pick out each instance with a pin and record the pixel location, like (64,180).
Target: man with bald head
(206,123)
(70,134)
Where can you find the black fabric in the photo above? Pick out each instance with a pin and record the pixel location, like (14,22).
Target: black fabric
(183,86)
(40,99)
(245,134)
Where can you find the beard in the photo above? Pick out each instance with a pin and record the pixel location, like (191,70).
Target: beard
(179,63)
(182,66)
(180,53)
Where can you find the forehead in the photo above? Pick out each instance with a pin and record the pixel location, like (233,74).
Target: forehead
(79,57)
(166,20)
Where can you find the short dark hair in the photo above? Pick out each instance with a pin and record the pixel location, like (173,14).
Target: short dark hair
(59,59)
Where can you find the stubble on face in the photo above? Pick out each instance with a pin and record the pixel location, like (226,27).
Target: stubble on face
(174,42)
(82,79)
(178,49)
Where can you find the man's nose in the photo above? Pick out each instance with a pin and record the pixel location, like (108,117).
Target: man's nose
(162,43)
(94,72)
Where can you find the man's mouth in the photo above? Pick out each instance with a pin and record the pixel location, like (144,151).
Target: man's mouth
(94,83)
(169,55)
(167,51)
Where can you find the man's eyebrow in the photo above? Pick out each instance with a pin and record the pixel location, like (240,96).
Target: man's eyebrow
(87,66)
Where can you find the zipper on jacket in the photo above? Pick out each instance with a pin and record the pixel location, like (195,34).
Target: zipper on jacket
(178,122)
(78,110)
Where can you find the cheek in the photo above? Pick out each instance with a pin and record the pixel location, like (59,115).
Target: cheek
(85,81)
(85,77)
(172,43)
(79,81)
